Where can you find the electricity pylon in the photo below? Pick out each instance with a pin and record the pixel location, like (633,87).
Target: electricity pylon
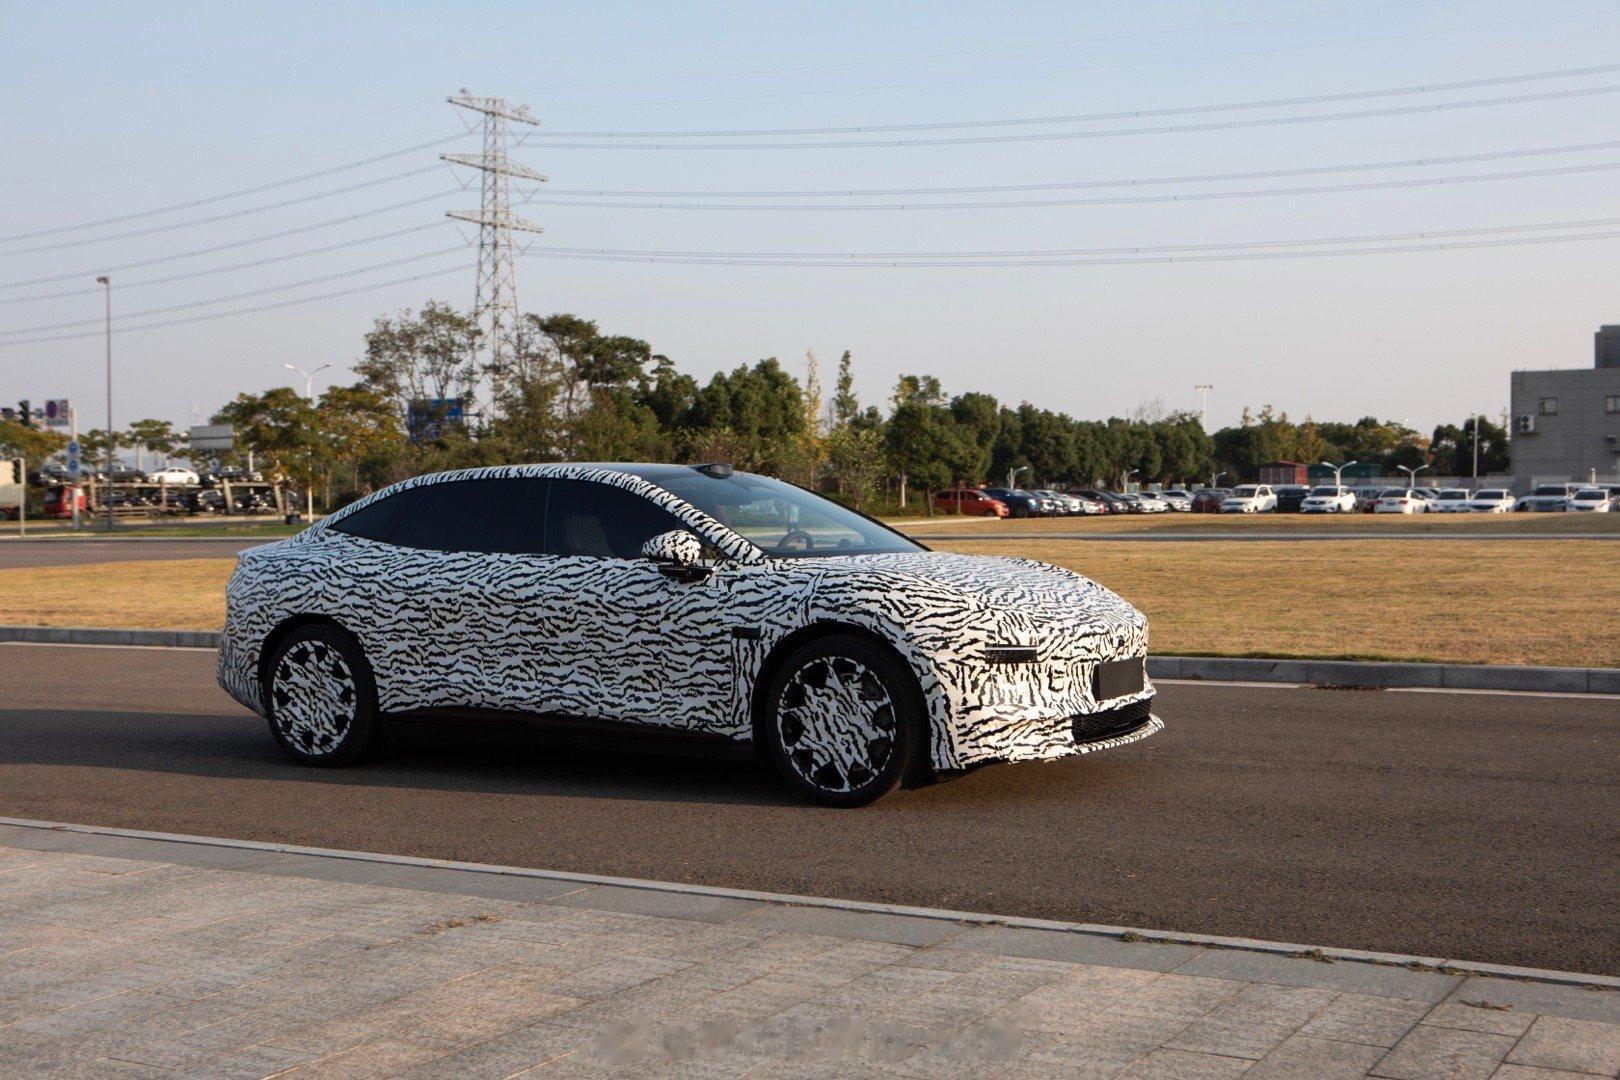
(495,304)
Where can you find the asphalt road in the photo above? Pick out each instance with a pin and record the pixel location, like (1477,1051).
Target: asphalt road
(1484,827)
(15,553)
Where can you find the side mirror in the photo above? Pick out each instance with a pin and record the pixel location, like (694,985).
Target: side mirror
(677,547)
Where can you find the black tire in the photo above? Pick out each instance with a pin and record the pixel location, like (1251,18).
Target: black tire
(321,698)
(882,738)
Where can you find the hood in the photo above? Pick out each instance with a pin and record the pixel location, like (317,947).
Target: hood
(986,581)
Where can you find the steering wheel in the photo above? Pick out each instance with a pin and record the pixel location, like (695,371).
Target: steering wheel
(795,536)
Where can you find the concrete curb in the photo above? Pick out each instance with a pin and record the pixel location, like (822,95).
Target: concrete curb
(1192,668)
(967,918)
(95,635)
(1382,674)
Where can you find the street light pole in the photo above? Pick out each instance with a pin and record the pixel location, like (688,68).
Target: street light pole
(1476,450)
(309,392)
(112,441)
(1411,473)
(1012,476)
(1203,411)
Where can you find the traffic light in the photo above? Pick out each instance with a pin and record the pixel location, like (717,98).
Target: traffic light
(27,416)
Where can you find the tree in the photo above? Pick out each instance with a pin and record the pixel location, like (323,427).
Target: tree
(845,405)
(415,359)
(358,428)
(30,443)
(280,426)
(158,436)
(1452,448)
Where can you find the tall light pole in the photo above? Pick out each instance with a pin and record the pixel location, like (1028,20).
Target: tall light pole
(309,392)
(1411,473)
(1476,450)
(1012,476)
(112,441)
(1203,410)
(1338,471)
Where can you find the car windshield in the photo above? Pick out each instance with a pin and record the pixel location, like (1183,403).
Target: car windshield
(1550,489)
(1244,493)
(1591,495)
(781,520)
(1326,492)
(1491,495)
(1449,495)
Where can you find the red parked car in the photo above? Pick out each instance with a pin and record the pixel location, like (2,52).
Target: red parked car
(58,504)
(969,501)
(1208,501)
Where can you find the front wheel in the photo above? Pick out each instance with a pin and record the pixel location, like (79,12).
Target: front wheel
(843,722)
(321,699)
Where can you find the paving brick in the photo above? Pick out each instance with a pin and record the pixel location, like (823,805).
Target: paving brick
(1075,948)
(1360,1018)
(1254,1022)
(1353,977)
(872,926)
(1572,1002)
(1431,1052)
(1183,1065)
(1493,1020)
(669,905)
(1554,1042)
(1319,1059)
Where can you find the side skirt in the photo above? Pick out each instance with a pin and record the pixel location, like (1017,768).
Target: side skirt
(507,728)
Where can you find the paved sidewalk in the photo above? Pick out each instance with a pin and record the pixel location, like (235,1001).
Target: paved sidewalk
(125,956)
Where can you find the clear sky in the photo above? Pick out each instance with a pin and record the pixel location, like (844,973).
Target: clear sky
(114,109)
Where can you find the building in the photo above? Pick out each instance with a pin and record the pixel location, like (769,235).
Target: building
(1283,472)
(1566,422)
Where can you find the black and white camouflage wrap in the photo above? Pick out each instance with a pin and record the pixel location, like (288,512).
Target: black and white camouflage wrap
(620,639)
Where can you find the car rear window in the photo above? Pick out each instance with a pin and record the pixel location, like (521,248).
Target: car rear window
(496,516)
(1491,495)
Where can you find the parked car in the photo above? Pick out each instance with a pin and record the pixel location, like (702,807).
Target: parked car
(1328,500)
(339,634)
(1178,499)
(1019,504)
(1451,501)
(1067,505)
(969,501)
(1548,497)
(1089,506)
(1108,500)
(1208,501)
(1291,497)
(173,475)
(1401,502)
(1491,501)
(1590,500)
(58,501)
(1150,502)
(1250,499)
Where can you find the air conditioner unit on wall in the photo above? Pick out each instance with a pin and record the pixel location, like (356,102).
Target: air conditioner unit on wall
(1526,424)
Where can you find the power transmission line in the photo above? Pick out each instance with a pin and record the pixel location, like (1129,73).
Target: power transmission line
(1116,200)
(460,269)
(1060,185)
(226,196)
(1163,129)
(361,186)
(241,295)
(1363,238)
(305,253)
(1249,256)
(1126,114)
(195,252)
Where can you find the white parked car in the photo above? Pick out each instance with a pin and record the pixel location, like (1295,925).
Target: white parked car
(1451,501)
(1250,499)
(1589,501)
(172,475)
(1178,500)
(1491,501)
(1065,504)
(1329,500)
(1090,506)
(1402,502)
(1151,503)
(1548,498)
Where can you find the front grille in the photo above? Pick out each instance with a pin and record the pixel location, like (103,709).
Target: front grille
(1091,727)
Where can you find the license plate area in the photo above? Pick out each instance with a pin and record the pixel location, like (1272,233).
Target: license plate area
(1118,678)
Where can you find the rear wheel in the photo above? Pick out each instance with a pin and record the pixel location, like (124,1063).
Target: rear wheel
(843,721)
(321,699)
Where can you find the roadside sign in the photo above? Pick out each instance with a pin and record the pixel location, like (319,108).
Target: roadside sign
(58,412)
(212,437)
(73,458)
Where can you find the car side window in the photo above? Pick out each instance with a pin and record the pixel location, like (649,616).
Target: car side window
(376,520)
(601,521)
(496,516)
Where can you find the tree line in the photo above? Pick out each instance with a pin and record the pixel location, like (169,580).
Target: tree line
(427,400)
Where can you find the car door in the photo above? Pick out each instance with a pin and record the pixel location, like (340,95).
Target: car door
(439,605)
(619,637)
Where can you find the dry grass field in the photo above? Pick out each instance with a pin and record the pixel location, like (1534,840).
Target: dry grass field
(1526,602)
